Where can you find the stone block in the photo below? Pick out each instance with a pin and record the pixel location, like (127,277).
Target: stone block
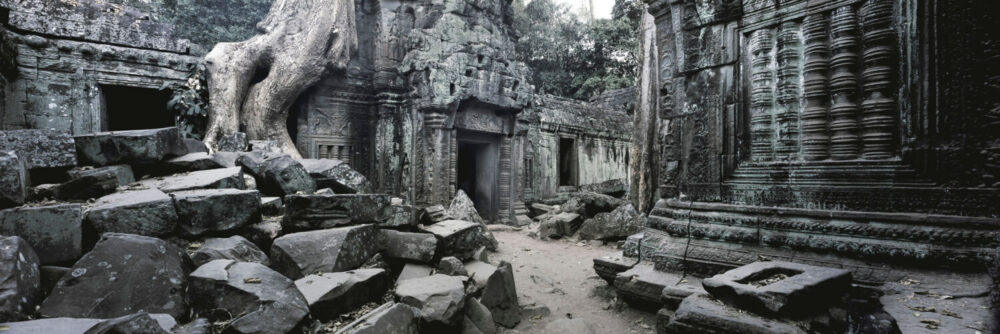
(413,270)
(13,180)
(478,318)
(642,286)
(277,175)
(216,210)
(333,294)
(440,298)
(700,313)
(451,266)
(615,225)
(778,287)
(40,148)
(418,247)
(462,208)
(695,14)
(500,296)
(227,159)
(268,146)
(391,317)
(263,234)
(299,254)
(206,179)
(50,275)
(708,46)
(309,212)
(272,206)
(235,142)
(55,232)
(480,272)
(614,188)
(123,173)
(145,212)
(82,325)
(192,162)
(402,216)
(122,274)
(94,184)
(254,298)
(560,225)
(235,248)
(140,322)
(456,237)
(193,146)
(434,214)
(128,147)
(20,279)
(337,175)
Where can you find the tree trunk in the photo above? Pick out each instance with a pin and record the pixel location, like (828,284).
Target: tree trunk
(643,169)
(252,84)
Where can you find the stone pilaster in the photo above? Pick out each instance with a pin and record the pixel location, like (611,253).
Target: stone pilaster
(815,116)
(844,84)
(789,75)
(878,115)
(761,95)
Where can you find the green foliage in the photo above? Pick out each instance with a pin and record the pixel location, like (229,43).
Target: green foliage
(575,58)
(189,103)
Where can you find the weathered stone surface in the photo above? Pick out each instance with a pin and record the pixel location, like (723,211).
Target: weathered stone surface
(50,275)
(235,248)
(457,238)
(220,178)
(91,185)
(123,173)
(216,210)
(595,203)
(145,212)
(500,296)
(434,214)
(227,159)
(235,142)
(618,224)
(271,206)
(608,266)
(480,272)
(263,234)
(268,146)
(778,287)
(20,279)
(451,266)
(614,188)
(477,318)
(700,313)
(193,146)
(134,323)
(440,298)
(402,216)
(309,212)
(40,148)
(388,318)
(135,146)
(122,274)
(560,225)
(256,298)
(192,162)
(332,294)
(337,175)
(462,208)
(538,209)
(642,286)
(78,325)
(339,249)
(55,232)
(418,247)
(13,180)
(277,175)
(413,270)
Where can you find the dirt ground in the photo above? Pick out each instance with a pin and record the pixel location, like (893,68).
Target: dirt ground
(560,275)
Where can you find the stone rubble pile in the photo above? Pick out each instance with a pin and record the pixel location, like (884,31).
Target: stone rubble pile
(596,212)
(141,231)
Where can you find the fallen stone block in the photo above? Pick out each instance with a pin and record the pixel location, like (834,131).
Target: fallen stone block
(614,188)
(40,148)
(538,209)
(123,173)
(615,225)
(673,294)
(145,212)
(440,298)
(206,179)
(779,287)
(418,247)
(277,175)
(594,203)
(216,210)
(478,318)
(268,146)
(20,279)
(500,296)
(451,266)
(128,147)
(401,216)
(642,286)
(480,272)
(337,175)
(13,180)
(299,254)
(263,234)
(91,185)
(310,212)
(50,275)
(332,294)
(271,206)
(414,270)
(434,214)
(457,238)
(234,142)
(191,162)
(560,225)
(193,146)
(55,232)
(396,318)
(122,274)
(227,159)
(134,323)
(248,297)
(700,313)
(235,248)
(609,266)
(81,325)
(462,208)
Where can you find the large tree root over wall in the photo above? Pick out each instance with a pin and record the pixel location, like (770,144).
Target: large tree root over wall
(252,84)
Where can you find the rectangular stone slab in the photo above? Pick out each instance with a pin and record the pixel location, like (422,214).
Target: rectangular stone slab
(13,180)
(134,146)
(55,231)
(699,313)
(805,288)
(206,179)
(40,148)
(308,212)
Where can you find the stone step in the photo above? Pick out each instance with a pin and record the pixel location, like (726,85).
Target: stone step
(642,286)
(609,266)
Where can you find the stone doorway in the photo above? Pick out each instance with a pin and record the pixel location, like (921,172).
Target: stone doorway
(477,170)
(134,108)
(567,162)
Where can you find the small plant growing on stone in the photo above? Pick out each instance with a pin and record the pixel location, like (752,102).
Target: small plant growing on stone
(189,103)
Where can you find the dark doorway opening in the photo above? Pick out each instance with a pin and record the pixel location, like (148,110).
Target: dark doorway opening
(477,165)
(133,108)
(567,162)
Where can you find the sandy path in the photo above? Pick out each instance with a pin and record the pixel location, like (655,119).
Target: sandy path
(560,274)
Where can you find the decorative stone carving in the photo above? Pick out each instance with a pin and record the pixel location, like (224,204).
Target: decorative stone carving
(878,116)
(815,136)
(844,84)
(761,95)
(789,75)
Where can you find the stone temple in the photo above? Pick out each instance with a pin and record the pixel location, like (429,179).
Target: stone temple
(782,166)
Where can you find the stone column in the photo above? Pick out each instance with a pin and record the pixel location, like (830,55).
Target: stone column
(761,95)
(815,116)
(789,74)
(878,116)
(844,84)
(436,157)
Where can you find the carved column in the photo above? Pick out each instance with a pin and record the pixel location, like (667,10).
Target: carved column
(844,84)
(761,96)
(789,46)
(436,155)
(878,115)
(815,116)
